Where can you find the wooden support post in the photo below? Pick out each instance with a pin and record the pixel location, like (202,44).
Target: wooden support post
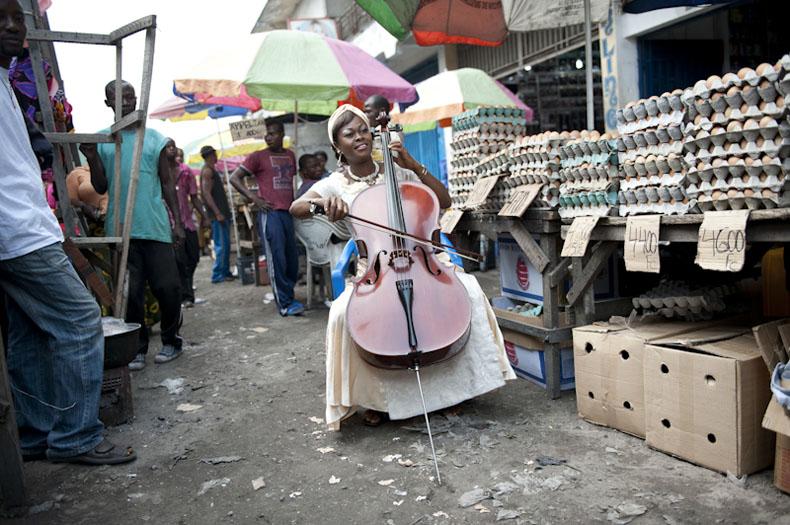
(551,313)
(12,475)
(131,196)
(530,248)
(600,254)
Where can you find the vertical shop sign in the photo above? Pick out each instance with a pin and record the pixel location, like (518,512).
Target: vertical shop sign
(608,44)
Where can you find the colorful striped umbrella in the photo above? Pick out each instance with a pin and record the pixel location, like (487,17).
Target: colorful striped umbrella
(437,22)
(177,109)
(447,94)
(309,73)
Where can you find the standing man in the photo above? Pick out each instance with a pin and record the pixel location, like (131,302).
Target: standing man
(55,341)
(218,211)
(152,258)
(274,168)
(188,253)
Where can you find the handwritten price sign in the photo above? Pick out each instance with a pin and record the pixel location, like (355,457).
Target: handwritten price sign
(721,244)
(450,220)
(519,200)
(641,244)
(578,236)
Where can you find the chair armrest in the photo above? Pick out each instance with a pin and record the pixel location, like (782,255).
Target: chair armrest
(341,268)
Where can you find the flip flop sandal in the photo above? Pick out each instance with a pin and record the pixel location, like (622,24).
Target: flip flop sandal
(104,453)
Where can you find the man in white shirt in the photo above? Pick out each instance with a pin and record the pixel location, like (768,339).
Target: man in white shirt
(55,341)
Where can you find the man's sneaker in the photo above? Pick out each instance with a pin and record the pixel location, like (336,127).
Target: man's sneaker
(167,353)
(199,300)
(295,308)
(138,363)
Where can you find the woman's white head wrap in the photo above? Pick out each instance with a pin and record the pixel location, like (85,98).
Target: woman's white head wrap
(340,112)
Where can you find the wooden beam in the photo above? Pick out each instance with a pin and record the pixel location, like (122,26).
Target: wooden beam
(530,248)
(132,119)
(600,254)
(12,474)
(78,138)
(43,35)
(132,28)
(558,273)
(761,231)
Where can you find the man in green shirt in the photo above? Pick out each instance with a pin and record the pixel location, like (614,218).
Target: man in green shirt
(151,255)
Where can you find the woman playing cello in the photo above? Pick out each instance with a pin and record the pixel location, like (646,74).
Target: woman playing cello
(351,382)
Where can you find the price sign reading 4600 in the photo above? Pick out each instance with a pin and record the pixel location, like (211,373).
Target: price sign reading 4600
(641,244)
(721,244)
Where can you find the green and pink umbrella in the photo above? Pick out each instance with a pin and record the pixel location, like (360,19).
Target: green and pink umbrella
(310,73)
(447,94)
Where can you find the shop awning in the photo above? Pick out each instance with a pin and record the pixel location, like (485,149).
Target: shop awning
(642,6)
(532,15)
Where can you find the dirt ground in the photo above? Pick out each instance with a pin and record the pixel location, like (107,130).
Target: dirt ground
(259,382)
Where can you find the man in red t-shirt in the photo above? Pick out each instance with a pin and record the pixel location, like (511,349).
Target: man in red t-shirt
(274,168)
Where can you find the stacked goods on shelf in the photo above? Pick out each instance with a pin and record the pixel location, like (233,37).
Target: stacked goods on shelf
(738,139)
(496,165)
(536,160)
(480,140)
(651,156)
(680,300)
(589,175)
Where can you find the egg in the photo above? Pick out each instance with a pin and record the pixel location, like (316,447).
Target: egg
(713,81)
(730,78)
(751,124)
(734,126)
(717,162)
(767,122)
(732,193)
(718,130)
(764,69)
(745,72)
(748,193)
(734,90)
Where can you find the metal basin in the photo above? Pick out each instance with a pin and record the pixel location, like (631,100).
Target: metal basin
(120,342)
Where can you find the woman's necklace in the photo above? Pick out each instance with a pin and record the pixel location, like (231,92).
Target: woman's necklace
(370,180)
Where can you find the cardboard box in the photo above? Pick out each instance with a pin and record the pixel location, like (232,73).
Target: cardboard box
(527,357)
(705,395)
(777,419)
(609,374)
(520,280)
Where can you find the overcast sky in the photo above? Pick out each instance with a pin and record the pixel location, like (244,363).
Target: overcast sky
(186,30)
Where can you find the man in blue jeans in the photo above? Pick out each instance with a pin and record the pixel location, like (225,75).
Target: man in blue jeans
(274,168)
(218,211)
(55,341)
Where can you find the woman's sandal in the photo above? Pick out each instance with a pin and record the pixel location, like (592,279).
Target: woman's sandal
(104,453)
(373,418)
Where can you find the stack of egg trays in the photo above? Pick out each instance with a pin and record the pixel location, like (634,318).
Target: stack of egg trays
(738,139)
(477,134)
(496,165)
(589,178)
(650,150)
(681,300)
(536,160)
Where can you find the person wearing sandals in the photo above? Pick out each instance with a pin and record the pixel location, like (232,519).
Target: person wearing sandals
(55,341)
(351,382)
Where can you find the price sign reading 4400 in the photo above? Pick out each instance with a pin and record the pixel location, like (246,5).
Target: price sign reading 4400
(641,244)
(721,244)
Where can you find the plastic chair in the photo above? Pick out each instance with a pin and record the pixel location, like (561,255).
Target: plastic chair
(315,234)
(350,251)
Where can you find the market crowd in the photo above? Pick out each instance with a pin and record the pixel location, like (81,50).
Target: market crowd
(43,301)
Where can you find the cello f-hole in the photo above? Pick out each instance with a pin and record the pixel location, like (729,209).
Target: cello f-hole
(434,270)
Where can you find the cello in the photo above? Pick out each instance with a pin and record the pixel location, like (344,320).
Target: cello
(407,310)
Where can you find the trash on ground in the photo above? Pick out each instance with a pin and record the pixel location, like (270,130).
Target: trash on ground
(188,407)
(208,485)
(258,483)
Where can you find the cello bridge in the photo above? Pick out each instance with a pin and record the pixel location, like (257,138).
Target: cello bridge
(400,259)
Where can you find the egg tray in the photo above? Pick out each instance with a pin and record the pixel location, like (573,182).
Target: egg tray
(673,178)
(739,172)
(488,115)
(577,152)
(656,111)
(741,200)
(571,212)
(531,177)
(662,200)
(497,164)
(590,173)
(499,128)
(673,299)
